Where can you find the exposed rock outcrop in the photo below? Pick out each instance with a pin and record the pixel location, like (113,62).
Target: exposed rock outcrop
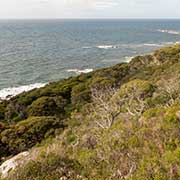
(12,163)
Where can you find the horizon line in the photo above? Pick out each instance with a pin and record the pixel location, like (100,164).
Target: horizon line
(158,18)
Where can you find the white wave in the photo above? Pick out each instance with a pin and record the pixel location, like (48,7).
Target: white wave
(128,58)
(107,46)
(86,47)
(78,71)
(169,31)
(132,45)
(7,93)
(120,60)
(153,45)
(170,43)
(177,42)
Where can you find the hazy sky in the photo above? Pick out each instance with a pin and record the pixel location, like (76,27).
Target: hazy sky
(89,8)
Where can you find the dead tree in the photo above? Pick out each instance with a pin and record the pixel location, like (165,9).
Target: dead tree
(170,87)
(135,103)
(105,110)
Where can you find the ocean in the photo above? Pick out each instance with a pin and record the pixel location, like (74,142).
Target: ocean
(35,52)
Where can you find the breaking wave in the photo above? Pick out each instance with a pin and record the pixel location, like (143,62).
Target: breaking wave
(118,46)
(108,46)
(7,93)
(153,45)
(78,71)
(128,58)
(169,31)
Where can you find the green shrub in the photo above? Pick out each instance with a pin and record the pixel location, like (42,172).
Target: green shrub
(141,88)
(28,133)
(168,54)
(161,99)
(140,62)
(47,106)
(101,82)
(2,110)
(154,112)
(171,117)
(134,142)
(53,167)
(80,94)
(15,112)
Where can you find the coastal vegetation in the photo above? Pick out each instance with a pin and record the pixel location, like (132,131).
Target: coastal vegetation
(121,122)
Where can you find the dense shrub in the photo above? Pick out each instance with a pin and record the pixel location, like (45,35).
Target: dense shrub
(27,133)
(52,167)
(168,54)
(140,62)
(2,110)
(15,112)
(80,94)
(47,106)
(140,87)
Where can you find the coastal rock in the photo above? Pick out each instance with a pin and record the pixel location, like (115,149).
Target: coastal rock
(12,163)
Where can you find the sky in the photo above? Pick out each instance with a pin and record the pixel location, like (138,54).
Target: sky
(89,9)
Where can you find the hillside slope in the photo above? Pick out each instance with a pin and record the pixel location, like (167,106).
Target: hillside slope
(121,122)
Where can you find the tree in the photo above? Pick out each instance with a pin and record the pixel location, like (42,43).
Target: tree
(170,87)
(105,110)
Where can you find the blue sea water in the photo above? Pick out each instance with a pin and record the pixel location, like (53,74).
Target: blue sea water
(40,51)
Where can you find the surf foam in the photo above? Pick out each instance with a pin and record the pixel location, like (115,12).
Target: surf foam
(132,45)
(128,58)
(78,71)
(107,46)
(7,93)
(169,31)
(153,45)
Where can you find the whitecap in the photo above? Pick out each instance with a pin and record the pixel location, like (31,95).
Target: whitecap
(153,45)
(177,42)
(107,46)
(170,43)
(78,71)
(7,93)
(130,45)
(128,58)
(86,47)
(169,31)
